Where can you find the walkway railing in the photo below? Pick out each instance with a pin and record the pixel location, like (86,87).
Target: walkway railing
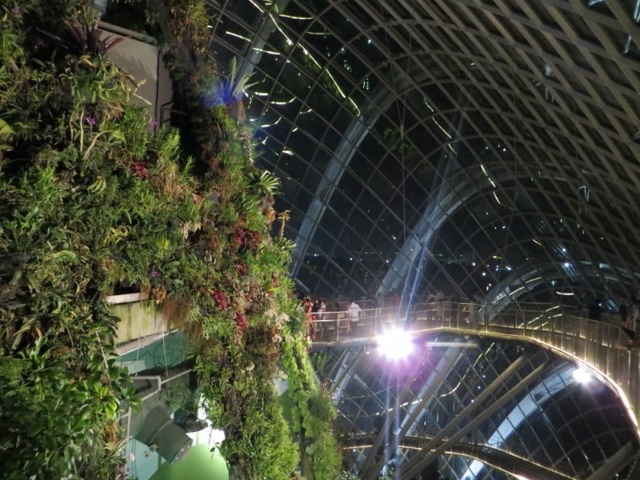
(605,347)
(519,321)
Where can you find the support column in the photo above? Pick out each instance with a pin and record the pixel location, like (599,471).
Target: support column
(345,373)
(369,471)
(436,447)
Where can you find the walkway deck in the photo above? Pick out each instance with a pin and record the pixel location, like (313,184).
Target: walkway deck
(602,347)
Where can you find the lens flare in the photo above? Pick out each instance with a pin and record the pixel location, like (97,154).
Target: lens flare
(395,344)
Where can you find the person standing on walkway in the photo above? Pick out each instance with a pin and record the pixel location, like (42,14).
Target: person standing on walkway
(439,302)
(623,311)
(320,316)
(353,313)
(307,307)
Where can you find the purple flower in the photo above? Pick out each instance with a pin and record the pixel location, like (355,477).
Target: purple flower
(90,120)
(16,10)
(154,273)
(153,122)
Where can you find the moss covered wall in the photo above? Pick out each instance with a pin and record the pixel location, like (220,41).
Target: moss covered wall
(138,320)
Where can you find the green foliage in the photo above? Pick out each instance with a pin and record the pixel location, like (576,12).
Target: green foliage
(320,362)
(6,132)
(42,402)
(61,386)
(347,476)
(314,413)
(67,186)
(235,84)
(92,199)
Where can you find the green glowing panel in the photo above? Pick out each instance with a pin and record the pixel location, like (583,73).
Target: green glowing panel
(198,464)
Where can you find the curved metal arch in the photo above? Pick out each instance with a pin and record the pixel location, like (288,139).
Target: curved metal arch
(509,68)
(585,143)
(372,471)
(436,221)
(527,406)
(267,26)
(410,248)
(431,450)
(617,273)
(448,200)
(528,277)
(358,129)
(588,49)
(564,81)
(431,222)
(356,132)
(585,48)
(500,460)
(506,174)
(354,136)
(568,111)
(448,70)
(495,41)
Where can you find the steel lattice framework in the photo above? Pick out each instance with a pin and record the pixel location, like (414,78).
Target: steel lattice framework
(474,409)
(486,149)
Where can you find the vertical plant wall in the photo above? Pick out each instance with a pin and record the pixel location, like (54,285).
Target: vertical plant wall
(313,414)
(95,197)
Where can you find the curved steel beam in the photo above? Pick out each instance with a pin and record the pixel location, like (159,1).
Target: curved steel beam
(498,459)
(355,134)
(542,392)
(434,447)
(529,276)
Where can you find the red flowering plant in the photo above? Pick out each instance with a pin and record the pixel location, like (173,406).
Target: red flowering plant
(220,299)
(239,235)
(241,322)
(252,239)
(139,169)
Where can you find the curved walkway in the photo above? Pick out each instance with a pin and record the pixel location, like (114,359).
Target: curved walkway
(602,347)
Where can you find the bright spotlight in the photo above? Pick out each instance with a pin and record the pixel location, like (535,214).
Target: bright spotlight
(395,344)
(580,375)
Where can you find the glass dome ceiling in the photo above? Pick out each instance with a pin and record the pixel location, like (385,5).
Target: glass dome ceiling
(467,146)
(481,148)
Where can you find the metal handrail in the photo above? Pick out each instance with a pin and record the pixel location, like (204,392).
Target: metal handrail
(474,317)
(604,347)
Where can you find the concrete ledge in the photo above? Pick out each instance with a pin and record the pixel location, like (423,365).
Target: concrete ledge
(126,298)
